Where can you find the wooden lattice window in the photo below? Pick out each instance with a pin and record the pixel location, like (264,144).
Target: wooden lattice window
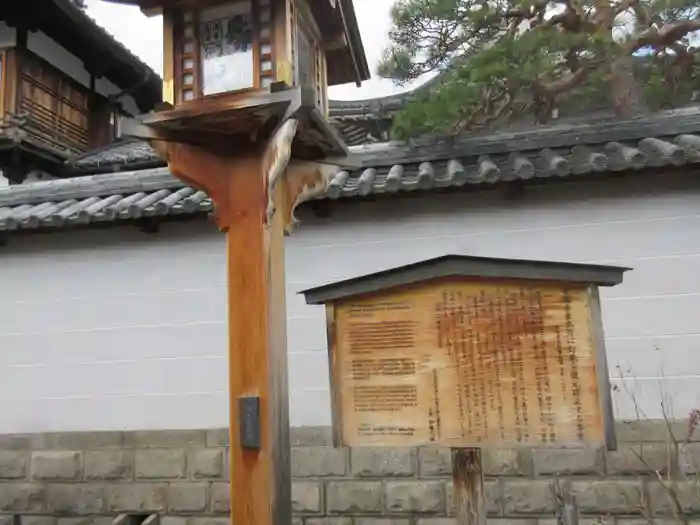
(56,107)
(293,40)
(3,81)
(320,77)
(188,57)
(309,59)
(267,70)
(224,48)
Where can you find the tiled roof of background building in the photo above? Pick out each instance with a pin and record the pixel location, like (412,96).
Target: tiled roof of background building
(131,152)
(671,139)
(81,14)
(123,66)
(117,155)
(350,118)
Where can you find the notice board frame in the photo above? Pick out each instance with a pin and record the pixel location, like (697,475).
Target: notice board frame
(474,269)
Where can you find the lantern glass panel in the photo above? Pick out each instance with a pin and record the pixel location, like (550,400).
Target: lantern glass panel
(226,47)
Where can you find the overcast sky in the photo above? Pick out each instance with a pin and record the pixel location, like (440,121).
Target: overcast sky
(144,37)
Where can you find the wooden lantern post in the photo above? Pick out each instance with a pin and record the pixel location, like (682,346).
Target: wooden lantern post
(467,351)
(245,92)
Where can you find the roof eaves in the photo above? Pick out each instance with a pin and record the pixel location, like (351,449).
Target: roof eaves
(127,182)
(126,153)
(130,152)
(465,266)
(156,192)
(377,106)
(116,47)
(668,124)
(357,46)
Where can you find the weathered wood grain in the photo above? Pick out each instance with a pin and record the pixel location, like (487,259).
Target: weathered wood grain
(468,482)
(169,66)
(463,363)
(275,160)
(598,336)
(226,113)
(334,377)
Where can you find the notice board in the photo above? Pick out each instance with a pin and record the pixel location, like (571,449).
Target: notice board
(461,364)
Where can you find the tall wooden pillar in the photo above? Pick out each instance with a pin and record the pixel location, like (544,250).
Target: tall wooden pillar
(260,481)
(245,84)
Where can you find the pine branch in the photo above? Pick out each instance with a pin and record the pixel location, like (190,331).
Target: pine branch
(506,58)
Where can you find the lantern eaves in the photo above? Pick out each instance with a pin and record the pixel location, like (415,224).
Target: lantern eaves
(336,19)
(238,125)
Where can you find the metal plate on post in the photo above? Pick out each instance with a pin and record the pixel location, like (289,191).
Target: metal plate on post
(249,424)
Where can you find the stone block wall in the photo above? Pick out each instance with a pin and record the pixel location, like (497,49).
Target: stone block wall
(83,478)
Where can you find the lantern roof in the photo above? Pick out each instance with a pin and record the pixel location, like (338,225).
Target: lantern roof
(336,20)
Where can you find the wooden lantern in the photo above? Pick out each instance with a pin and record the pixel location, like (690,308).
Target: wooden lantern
(245,84)
(240,67)
(466,351)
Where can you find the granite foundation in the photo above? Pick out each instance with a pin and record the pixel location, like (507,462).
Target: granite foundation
(92,477)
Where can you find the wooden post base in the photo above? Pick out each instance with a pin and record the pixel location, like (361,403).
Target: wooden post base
(468,479)
(260,479)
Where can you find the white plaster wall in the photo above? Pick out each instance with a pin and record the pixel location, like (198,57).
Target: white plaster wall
(8,35)
(117,329)
(49,50)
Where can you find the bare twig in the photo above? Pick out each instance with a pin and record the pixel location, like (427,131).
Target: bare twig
(668,481)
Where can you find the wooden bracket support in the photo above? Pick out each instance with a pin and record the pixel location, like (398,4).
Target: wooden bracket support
(287,183)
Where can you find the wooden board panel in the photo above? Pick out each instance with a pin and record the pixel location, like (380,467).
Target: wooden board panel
(10,72)
(169,67)
(3,81)
(468,363)
(56,107)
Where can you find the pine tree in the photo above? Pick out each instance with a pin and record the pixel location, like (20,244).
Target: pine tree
(502,59)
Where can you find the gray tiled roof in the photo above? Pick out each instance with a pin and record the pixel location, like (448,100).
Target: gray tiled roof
(82,15)
(116,50)
(348,117)
(134,151)
(115,155)
(372,170)
(372,107)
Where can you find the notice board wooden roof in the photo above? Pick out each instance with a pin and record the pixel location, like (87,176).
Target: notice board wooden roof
(466,266)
